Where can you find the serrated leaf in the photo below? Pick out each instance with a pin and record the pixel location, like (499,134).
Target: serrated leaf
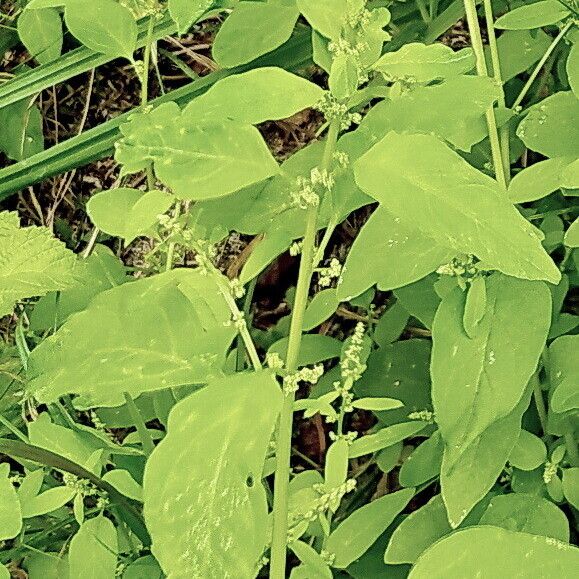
(198,161)
(466,481)
(443,197)
(538,180)
(475,306)
(352,538)
(263,27)
(261,94)
(93,550)
(533,15)
(529,452)
(424,63)
(385,437)
(399,256)
(41,33)
(477,381)
(527,514)
(453,110)
(151,334)
(546,128)
(213,522)
(127,213)
(491,551)
(32,262)
(564,373)
(186,12)
(10,514)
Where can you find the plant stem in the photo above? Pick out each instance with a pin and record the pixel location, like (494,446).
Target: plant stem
(481,68)
(539,402)
(145,87)
(15,431)
(171,248)
(494,50)
(541,63)
(284,437)
(144,434)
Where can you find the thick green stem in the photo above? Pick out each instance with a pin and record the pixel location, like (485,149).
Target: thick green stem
(541,63)
(494,50)
(284,437)
(481,68)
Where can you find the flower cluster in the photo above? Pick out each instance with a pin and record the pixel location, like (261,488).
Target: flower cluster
(462,266)
(425,415)
(310,375)
(327,274)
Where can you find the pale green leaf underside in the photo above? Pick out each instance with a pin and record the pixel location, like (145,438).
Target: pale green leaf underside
(196,160)
(424,63)
(151,334)
(212,523)
(480,379)
(431,189)
(262,94)
(32,262)
(491,551)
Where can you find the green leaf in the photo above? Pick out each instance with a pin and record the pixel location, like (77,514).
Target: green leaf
(354,536)
(527,514)
(343,81)
(123,481)
(564,373)
(4,573)
(391,324)
(572,68)
(533,15)
(316,566)
(458,207)
(570,176)
(399,256)
(198,162)
(492,551)
(477,381)
(546,128)
(93,550)
(420,299)
(47,502)
(377,403)
(467,480)
(169,330)
(424,462)
(385,437)
(213,522)
(261,94)
(475,306)
(336,467)
(571,486)
(32,262)
(325,16)
(127,213)
(10,514)
(315,348)
(143,568)
(572,234)
(322,306)
(263,27)
(41,33)
(424,63)
(104,26)
(21,135)
(399,371)
(529,452)
(46,566)
(453,110)
(186,12)
(538,180)
(101,271)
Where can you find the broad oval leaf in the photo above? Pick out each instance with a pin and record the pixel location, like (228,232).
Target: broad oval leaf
(261,94)
(41,33)
(325,16)
(424,63)
(10,513)
(529,452)
(169,330)
(127,213)
(47,501)
(212,522)
(354,536)
(475,306)
(527,514)
(32,262)
(424,462)
(104,26)
(93,550)
(572,234)
(477,381)
(533,15)
(564,373)
(546,128)
(431,189)
(186,12)
(262,28)
(197,160)
(492,551)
